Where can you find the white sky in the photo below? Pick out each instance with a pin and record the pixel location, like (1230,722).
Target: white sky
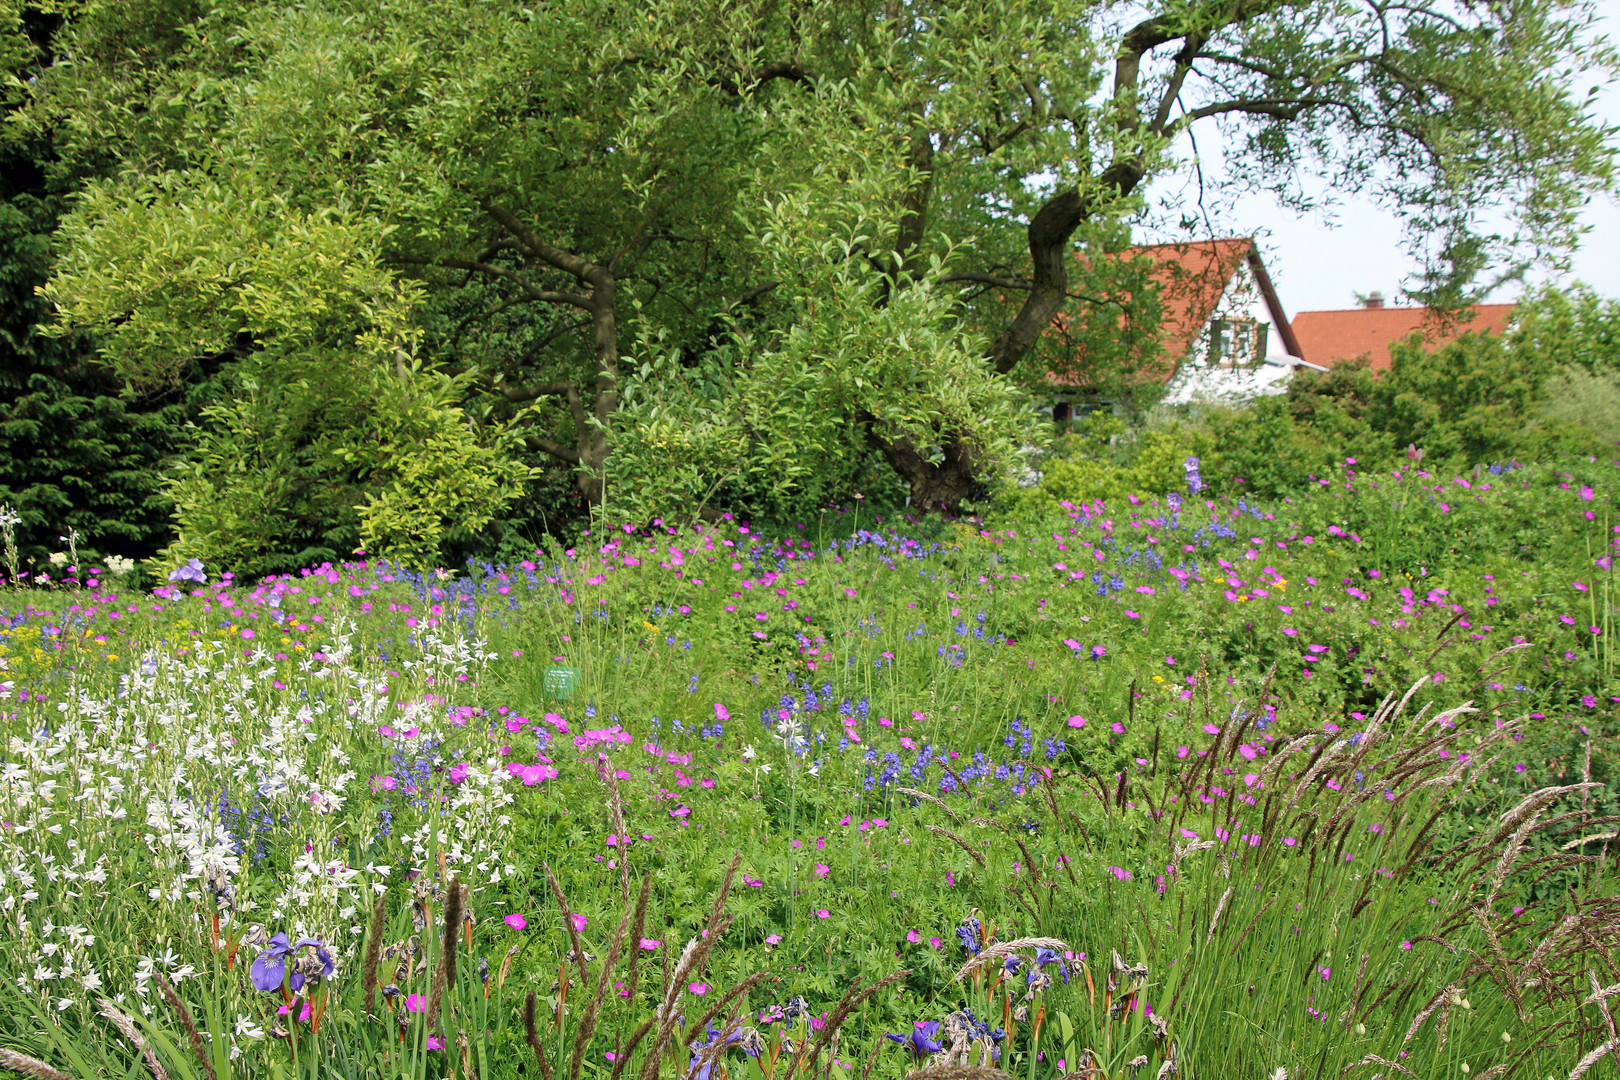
(1320,264)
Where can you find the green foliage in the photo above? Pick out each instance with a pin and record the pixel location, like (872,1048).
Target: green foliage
(1591,401)
(1100,458)
(74,452)
(827,201)
(385,462)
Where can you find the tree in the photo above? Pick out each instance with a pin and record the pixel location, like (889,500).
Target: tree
(75,455)
(726,241)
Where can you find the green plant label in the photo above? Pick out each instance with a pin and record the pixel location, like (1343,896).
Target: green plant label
(560,682)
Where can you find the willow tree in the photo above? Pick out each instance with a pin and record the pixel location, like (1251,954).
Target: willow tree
(683,245)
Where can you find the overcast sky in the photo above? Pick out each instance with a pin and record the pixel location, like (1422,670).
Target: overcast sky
(1318,264)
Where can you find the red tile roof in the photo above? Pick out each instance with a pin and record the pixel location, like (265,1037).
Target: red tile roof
(1191,279)
(1328,337)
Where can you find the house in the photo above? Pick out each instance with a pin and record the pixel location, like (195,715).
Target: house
(1329,337)
(1224,335)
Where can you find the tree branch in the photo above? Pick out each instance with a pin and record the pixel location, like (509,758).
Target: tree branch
(1280,108)
(752,296)
(549,446)
(530,290)
(577,265)
(561,387)
(985,279)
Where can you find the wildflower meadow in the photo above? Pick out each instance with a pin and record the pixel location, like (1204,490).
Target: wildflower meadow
(1191,787)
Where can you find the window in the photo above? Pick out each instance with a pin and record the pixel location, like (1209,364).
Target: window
(1235,342)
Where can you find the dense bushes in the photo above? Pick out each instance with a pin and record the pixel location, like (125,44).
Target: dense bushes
(1547,387)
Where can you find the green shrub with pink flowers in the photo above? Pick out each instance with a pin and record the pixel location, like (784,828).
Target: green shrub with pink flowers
(1189,786)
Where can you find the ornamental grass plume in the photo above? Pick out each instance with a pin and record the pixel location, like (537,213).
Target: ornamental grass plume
(444,974)
(22,1063)
(127,1027)
(957,1072)
(373,955)
(1322,867)
(166,988)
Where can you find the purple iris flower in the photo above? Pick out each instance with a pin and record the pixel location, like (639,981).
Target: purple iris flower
(269,970)
(971,935)
(1011,964)
(749,1047)
(1050,956)
(921,1040)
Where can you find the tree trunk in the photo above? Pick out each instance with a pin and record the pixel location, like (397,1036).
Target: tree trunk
(936,487)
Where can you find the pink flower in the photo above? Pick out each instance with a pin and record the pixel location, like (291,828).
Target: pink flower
(720,712)
(580,922)
(435,1043)
(913,937)
(1077,721)
(416,1003)
(698,988)
(1120,873)
(936,943)
(773,939)
(649,944)
(1118,728)
(822,870)
(1211,729)
(823,913)
(516,921)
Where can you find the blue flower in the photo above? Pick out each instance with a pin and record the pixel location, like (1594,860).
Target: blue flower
(192,571)
(1050,956)
(269,969)
(749,1046)
(921,1040)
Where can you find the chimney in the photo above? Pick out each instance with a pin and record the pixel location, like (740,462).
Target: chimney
(1374,299)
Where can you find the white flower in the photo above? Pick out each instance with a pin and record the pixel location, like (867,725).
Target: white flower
(59,558)
(749,753)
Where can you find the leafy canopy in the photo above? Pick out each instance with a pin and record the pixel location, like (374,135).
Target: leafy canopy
(727,243)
